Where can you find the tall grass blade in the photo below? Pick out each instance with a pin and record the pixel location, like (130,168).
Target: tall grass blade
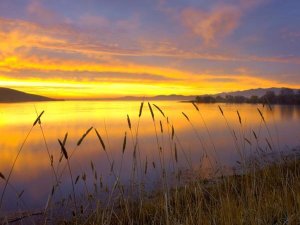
(254,134)
(175,152)
(64,143)
(185,116)
(92,166)
(151,111)
(65,139)
(146,165)
(269,144)
(2,176)
(141,109)
(247,140)
(100,139)
(20,194)
(261,114)
(153,164)
(240,119)
(112,166)
(83,177)
(221,110)
(128,121)
(124,143)
(84,135)
(13,166)
(159,109)
(38,119)
(196,107)
(173,132)
(77,179)
(63,149)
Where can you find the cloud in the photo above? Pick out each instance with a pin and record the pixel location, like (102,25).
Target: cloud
(94,21)
(213,25)
(22,37)
(249,4)
(16,34)
(290,35)
(222,80)
(38,12)
(91,52)
(90,76)
(97,22)
(220,21)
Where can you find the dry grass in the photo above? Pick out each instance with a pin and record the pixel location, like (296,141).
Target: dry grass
(268,196)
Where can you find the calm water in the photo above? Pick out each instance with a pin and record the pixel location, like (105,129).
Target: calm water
(33,174)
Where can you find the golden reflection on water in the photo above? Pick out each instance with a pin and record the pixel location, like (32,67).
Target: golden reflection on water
(110,119)
(76,117)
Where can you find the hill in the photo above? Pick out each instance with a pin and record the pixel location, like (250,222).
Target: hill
(10,95)
(152,98)
(161,98)
(259,92)
(268,95)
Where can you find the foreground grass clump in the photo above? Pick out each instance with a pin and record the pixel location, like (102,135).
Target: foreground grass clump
(269,195)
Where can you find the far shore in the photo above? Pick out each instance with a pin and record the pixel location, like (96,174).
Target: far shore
(133,100)
(28,101)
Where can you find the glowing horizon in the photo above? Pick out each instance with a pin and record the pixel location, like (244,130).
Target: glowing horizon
(99,49)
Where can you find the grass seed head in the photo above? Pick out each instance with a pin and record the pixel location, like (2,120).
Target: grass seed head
(63,149)
(83,136)
(38,119)
(100,139)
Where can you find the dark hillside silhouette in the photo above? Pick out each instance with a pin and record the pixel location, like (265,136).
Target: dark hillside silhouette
(285,96)
(10,95)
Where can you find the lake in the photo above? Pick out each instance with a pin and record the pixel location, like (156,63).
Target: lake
(218,142)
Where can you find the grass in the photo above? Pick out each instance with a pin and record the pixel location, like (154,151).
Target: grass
(270,195)
(257,193)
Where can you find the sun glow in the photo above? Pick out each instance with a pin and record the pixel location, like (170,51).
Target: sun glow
(73,60)
(81,80)
(72,89)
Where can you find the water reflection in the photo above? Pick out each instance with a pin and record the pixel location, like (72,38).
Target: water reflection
(156,147)
(288,112)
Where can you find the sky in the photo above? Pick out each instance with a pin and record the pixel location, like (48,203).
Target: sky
(96,48)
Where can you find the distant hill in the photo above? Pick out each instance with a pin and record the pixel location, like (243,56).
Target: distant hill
(248,93)
(174,97)
(9,95)
(164,97)
(158,98)
(283,96)
(259,92)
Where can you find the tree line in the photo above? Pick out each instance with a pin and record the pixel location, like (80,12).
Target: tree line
(286,96)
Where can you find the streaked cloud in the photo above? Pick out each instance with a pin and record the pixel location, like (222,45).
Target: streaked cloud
(218,22)
(213,25)
(166,47)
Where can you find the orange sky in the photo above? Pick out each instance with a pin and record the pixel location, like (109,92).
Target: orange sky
(77,50)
